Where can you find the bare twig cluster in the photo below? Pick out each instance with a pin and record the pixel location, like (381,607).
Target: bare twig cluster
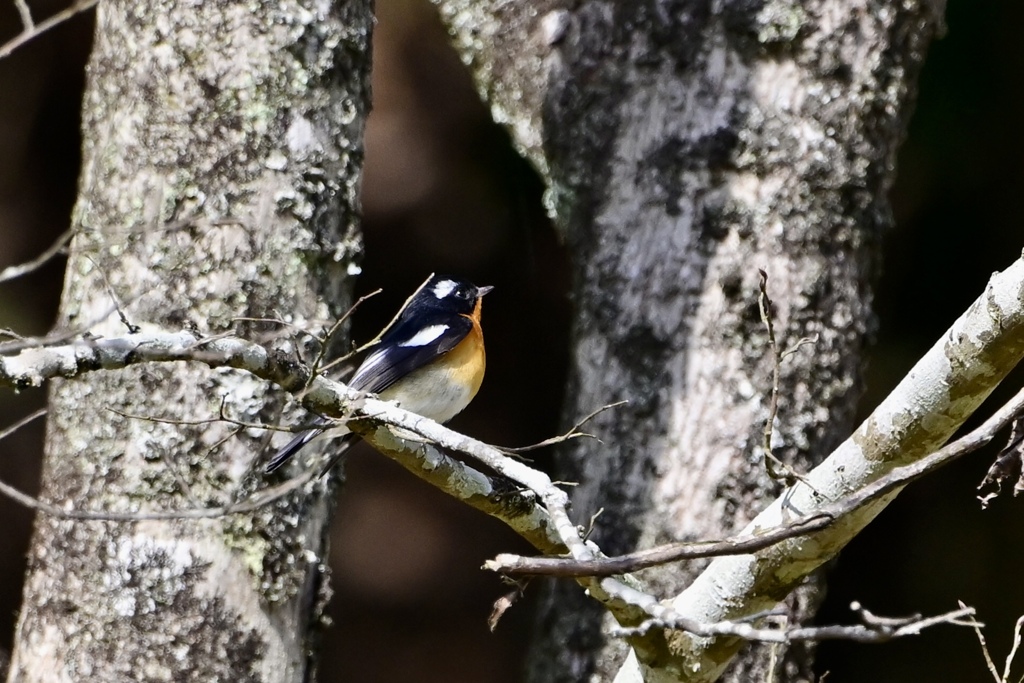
(872,629)
(533,504)
(1004,676)
(31,29)
(488,479)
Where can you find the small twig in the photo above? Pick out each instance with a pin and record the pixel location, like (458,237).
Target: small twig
(21,423)
(1008,665)
(1013,650)
(44,26)
(132,329)
(991,665)
(802,342)
(26,15)
(592,524)
(164,420)
(573,433)
(876,632)
(12,272)
(55,338)
(773,661)
(380,335)
(240,425)
(276,321)
(517,565)
(401,310)
(344,358)
(265,497)
(776,469)
(223,417)
(325,343)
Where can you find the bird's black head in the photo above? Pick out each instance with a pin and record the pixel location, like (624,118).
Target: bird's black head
(442,292)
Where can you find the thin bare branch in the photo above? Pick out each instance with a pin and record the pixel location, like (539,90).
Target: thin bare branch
(118,308)
(776,469)
(26,15)
(517,565)
(54,338)
(573,433)
(223,417)
(1013,650)
(823,517)
(876,630)
(989,664)
(22,422)
(44,26)
(255,502)
(16,271)
(325,343)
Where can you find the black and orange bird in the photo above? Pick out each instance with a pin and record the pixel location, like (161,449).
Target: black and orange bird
(430,360)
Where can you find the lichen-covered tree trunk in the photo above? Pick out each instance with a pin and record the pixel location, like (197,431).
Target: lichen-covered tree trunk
(222,153)
(685,146)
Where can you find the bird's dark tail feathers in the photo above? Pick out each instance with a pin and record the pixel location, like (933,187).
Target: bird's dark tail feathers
(300,440)
(341,447)
(291,448)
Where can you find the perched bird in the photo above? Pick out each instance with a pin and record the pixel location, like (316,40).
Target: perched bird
(430,359)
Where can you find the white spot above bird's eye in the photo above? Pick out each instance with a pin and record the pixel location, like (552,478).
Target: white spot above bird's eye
(444,288)
(425,336)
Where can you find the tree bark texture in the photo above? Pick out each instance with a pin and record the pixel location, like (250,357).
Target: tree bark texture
(685,146)
(221,161)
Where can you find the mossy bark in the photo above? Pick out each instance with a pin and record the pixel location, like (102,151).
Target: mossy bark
(685,146)
(221,163)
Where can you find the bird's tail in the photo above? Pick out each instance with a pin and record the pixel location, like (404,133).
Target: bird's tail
(340,450)
(293,447)
(304,437)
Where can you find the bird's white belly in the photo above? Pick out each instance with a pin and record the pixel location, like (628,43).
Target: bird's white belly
(432,392)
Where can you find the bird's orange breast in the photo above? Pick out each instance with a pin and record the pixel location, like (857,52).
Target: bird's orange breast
(442,389)
(468,360)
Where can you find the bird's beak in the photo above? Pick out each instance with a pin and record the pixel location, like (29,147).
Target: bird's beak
(480,291)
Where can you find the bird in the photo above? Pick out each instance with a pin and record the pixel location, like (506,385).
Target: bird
(430,360)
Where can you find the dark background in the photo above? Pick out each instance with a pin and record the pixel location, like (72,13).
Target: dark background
(445,192)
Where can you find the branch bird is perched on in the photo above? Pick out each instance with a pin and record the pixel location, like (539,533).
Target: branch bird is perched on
(430,360)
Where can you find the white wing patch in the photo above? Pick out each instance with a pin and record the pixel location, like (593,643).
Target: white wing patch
(426,335)
(443,289)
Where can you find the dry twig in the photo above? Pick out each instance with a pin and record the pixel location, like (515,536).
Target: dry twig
(33,29)
(776,469)
(737,545)
(16,271)
(573,432)
(872,630)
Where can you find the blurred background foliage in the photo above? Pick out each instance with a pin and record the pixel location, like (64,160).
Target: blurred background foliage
(445,192)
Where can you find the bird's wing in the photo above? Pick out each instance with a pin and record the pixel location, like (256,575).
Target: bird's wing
(405,348)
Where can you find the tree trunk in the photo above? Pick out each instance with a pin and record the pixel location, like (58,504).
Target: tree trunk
(685,146)
(223,147)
